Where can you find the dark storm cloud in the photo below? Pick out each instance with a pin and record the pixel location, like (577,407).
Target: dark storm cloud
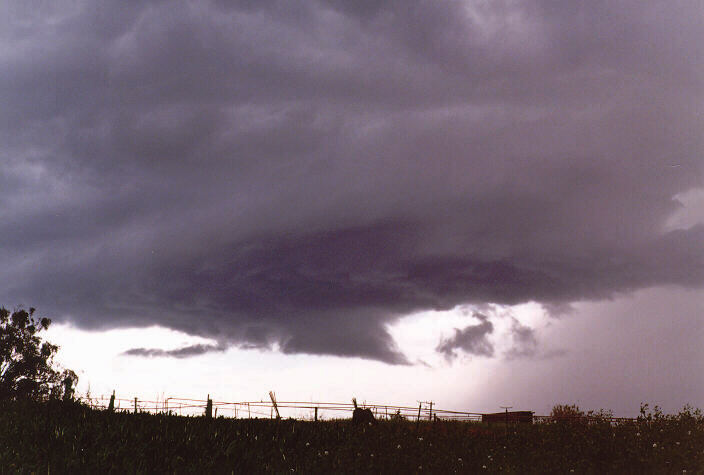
(472,339)
(184,352)
(300,174)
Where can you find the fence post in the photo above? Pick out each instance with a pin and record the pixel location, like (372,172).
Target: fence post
(316,414)
(135,405)
(111,406)
(507,408)
(430,415)
(209,408)
(273,401)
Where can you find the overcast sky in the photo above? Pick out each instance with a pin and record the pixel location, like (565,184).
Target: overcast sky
(291,178)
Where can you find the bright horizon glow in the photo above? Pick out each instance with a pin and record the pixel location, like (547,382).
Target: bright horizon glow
(157,377)
(593,377)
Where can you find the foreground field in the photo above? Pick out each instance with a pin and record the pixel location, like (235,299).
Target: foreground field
(61,438)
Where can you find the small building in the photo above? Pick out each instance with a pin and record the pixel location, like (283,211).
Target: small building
(524,417)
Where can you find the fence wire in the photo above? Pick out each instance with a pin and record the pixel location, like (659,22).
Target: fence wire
(310,410)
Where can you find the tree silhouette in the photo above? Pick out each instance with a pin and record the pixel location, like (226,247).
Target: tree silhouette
(565,412)
(27,363)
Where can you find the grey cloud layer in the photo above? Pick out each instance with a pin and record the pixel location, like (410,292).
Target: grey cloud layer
(303,173)
(183,352)
(472,339)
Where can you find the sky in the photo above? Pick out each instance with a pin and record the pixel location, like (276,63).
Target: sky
(477,203)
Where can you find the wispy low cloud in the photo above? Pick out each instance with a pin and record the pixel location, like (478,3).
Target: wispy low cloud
(526,344)
(183,352)
(472,339)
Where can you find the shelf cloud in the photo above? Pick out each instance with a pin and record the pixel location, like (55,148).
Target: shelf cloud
(301,174)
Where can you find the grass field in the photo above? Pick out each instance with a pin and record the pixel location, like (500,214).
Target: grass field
(70,438)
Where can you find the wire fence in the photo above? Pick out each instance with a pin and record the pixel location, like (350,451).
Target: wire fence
(302,410)
(311,410)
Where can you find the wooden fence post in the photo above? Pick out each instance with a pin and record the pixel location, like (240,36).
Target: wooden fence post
(273,401)
(111,406)
(209,408)
(135,405)
(316,414)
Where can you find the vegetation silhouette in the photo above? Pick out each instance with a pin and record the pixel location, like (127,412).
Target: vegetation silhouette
(73,438)
(27,367)
(362,416)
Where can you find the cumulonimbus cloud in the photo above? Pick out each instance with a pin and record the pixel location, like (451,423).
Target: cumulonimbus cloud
(302,174)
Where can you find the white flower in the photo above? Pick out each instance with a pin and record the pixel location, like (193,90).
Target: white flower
(484,467)
(638,434)
(326,452)
(307,444)
(689,432)
(655,445)
(420,438)
(459,460)
(677,443)
(398,446)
